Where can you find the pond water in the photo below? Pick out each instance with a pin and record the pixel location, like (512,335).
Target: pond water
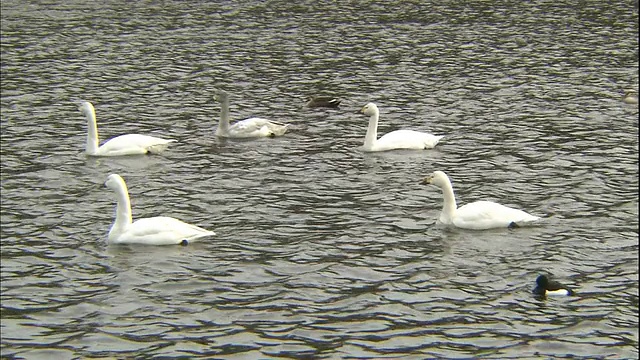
(322,250)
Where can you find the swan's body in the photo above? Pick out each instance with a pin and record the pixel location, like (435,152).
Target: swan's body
(248,128)
(478,215)
(322,101)
(160,230)
(546,286)
(630,97)
(130,144)
(399,139)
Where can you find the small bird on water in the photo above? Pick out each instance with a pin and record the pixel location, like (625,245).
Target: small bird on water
(630,97)
(546,286)
(322,101)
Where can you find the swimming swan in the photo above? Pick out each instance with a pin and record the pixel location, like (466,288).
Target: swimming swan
(399,139)
(130,144)
(248,128)
(160,230)
(478,215)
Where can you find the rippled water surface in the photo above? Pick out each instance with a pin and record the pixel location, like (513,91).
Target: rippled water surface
(322,250)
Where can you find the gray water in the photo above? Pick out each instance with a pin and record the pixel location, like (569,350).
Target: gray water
(322,251)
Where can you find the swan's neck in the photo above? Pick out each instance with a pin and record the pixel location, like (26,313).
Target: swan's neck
(223,126)
(372,131)
(449,207)
(123,210)
(92,132)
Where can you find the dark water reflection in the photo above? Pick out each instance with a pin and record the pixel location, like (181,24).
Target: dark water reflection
(322,251)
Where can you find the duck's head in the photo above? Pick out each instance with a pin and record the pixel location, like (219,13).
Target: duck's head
(542,281)
(369,109)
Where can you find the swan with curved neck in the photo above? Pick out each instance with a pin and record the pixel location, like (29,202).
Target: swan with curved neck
(248,128)
(479,215)
(130,144)
(160,230)
(399,139)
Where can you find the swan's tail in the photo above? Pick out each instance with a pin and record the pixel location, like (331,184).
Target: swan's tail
(277,129)
(158,148)
(431,141)
(525,220)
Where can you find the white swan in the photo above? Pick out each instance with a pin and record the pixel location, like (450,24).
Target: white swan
(248,128)
(399,139)
(130,144)
(478,215)
(160,230)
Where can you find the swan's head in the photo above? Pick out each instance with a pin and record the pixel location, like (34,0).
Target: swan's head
(115,182)
(438,178)
(86,108)
(630,97)
(370,109)
(222,95)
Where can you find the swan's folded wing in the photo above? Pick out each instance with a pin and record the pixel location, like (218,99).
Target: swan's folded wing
(255,127)
(407,139)
(162,230)
(133,144)
(250,125)
(487,215)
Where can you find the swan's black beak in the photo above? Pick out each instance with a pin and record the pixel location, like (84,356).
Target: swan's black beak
(426,181)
